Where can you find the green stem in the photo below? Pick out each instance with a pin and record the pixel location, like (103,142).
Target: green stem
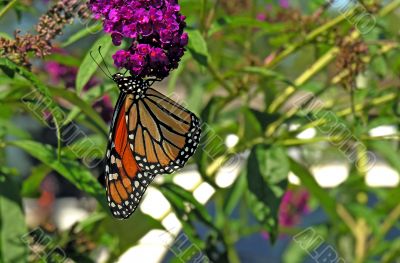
(203,18)
(352,102)
(296,142)
(8,7)
(309,37)
(358,107)
(219,78)
(389,8)
(308,74)
(389,222)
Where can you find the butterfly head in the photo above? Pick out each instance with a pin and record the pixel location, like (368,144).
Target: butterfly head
(117,77)
(132,85)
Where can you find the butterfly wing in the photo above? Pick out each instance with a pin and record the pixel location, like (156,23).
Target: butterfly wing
(125,181)
(162,134)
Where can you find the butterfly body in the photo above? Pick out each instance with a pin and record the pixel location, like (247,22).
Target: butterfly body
(131,85)
(150,135)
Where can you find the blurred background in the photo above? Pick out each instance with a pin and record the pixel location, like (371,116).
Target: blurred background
(299,158)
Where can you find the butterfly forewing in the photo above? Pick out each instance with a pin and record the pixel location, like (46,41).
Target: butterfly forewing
(163,135)
(125,182)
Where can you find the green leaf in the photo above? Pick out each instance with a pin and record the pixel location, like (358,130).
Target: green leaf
(265,119)
(210,111)
(173,79)
(198,47)
(12,227)
(198,209)
(189,210)
(388,151)
(89,96)
(83,33)
(63,59)
(90,221)
(85,146)
(307,179)
(10,73)
(73,171)
(251,127)
(188,225)
(267,172)
(45,103)
(88,66)
(11,128)
(5,35)
(129,232)
(83,106)
(211,142)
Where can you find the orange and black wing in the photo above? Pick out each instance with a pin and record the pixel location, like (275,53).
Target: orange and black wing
(162,134)
(125,181)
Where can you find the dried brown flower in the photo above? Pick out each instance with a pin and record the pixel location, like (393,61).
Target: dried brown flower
(233,7)
(351,57)
(50,25)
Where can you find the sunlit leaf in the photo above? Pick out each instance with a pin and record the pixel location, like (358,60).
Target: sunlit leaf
(186,206)
(83,106)
(45,104)
(73,171)
(89,66)
(85,146)
(198,47)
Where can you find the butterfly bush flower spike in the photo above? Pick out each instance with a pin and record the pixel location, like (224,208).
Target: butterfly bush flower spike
(154,27)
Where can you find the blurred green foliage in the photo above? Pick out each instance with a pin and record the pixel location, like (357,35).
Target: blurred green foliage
(245,64)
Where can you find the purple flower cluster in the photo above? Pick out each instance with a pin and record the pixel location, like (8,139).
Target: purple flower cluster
(155,29)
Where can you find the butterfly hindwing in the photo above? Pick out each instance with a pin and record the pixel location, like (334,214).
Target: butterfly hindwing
(162,134)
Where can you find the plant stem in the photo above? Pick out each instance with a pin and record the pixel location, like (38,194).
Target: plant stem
(295,141)
(7,7)
(359,107)
(308,74)
(203,16)
(219,78)
(389,222)
(387,9)
(309,37)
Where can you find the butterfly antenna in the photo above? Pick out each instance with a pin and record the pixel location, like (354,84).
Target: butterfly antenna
(126,72)
(104,62)
(97,63)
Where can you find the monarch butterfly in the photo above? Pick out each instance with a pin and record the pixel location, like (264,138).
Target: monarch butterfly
(150,134)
